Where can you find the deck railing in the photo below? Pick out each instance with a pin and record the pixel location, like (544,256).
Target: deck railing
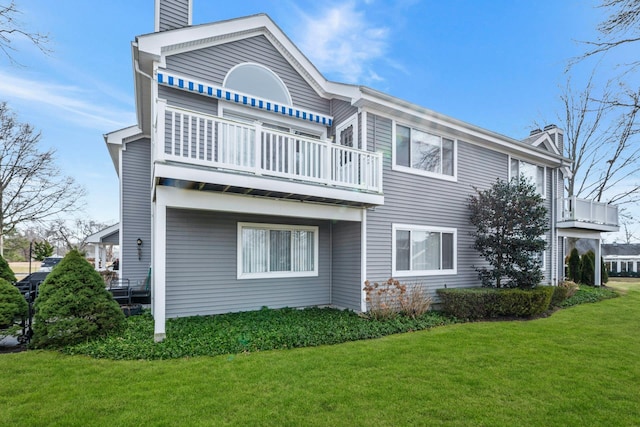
(213,141)
(583,210)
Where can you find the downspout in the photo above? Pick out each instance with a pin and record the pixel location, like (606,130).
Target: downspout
(554,239)
(139,71)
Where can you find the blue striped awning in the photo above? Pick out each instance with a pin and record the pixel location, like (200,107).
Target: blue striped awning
(190,85)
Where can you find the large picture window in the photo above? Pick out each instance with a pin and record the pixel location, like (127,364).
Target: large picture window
(424,153)
(534,173)
(423,251)
(274,250)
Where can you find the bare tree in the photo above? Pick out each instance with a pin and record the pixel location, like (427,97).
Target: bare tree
(11,27)
(600,138)
(32,188)
(622,27)
(72,234)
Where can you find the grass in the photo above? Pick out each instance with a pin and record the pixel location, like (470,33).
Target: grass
(577,367)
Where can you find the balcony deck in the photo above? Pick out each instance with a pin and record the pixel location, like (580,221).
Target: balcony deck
(222,153)
(587,215)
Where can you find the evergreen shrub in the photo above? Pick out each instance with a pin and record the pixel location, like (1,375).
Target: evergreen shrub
(13,306)
(484,303)
(5,271)
(74,306)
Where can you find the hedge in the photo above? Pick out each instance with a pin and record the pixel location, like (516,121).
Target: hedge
(484,303)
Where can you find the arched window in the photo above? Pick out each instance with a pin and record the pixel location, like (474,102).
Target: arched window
(254,79)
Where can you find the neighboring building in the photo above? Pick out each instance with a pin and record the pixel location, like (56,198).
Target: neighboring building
(104,244)
(250,180)
(622,259)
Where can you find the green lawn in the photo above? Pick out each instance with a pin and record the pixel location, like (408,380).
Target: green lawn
(579,367)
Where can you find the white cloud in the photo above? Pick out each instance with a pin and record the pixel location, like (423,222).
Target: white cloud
(62,100)
(342,42)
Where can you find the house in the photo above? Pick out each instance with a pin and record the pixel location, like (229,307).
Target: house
(622,259)
(250,180)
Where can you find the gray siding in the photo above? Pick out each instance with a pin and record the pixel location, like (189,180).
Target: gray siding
(345,265)
(341,111)
(113,238)
(419,200)
(213,63)
(173,14)
(136,209)
(201,275)
(189,101)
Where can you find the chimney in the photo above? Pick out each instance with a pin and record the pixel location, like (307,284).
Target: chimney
(172,14)
(535,132)
(556,134)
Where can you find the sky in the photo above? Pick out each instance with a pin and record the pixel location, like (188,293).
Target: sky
(498,64)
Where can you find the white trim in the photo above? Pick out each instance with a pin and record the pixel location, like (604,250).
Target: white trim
(258,182)
(353,120)
(226,202)
(269,117)
(241,275)
(363,260)
(413,227)
(364,140)
(390,107)
(544,173)
(158,271)
(416,171)
(253,64)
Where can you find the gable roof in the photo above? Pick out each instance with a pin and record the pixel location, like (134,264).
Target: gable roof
(621,249)
(151,50)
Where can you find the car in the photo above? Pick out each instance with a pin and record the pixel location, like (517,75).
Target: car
(49,262)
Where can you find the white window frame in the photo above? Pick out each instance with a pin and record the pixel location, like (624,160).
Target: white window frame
(276,274)
(544,174)
(353,120)
(416,171)
(543,267)
(253,115)
(412,227)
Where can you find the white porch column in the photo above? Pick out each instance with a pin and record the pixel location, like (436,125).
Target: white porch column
(96,255)
(158,271)
(598,264)
(363,260)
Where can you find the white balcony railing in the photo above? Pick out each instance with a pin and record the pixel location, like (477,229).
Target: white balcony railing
(589,211)
(212,141)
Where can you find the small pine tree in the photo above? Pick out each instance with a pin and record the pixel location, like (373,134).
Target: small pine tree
(5,271)
(41,250)
(605,271)
(574,266)
(588,263)
(13,306)
(74,305)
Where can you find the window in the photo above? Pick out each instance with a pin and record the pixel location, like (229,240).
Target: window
(257,80)
(274,250)
(423,251)
(424,153)
(542,256)
(535,174)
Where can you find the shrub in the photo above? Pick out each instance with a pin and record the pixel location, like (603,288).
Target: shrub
(74,305)
(13,307)
(572,287)
(390,298)
(587,273)
(5,271)
(587,294)
(509,219)
(574,265)
(604,271)
(476,303)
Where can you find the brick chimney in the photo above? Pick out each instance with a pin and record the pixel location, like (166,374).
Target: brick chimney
(172,14)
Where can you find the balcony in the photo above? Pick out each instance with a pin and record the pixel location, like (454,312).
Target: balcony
(267,159)
(587,214)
